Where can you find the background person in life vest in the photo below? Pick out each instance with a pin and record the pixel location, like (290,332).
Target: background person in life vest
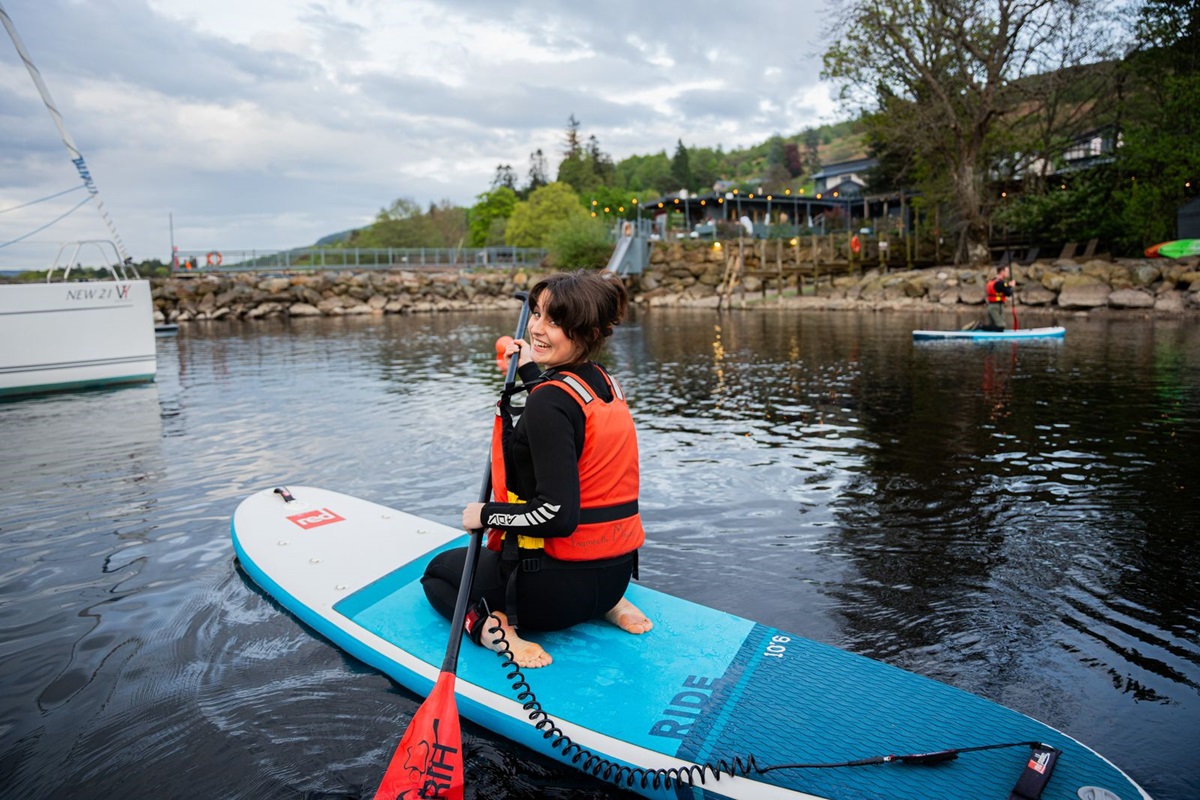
(998,288)
(563,539)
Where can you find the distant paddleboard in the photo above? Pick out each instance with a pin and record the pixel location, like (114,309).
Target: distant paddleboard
(977,335)
(1179,248)
(702,693)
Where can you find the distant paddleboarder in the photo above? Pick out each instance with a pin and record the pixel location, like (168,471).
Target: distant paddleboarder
(998,290)
(564,523)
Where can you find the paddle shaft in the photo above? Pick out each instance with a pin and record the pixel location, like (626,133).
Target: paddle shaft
(1014,302)
(450,662)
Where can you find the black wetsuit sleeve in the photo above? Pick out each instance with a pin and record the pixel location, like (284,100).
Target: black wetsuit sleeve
(542,461)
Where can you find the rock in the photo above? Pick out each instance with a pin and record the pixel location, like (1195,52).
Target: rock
(1131,298)
(1083,291)
(1171,302)
(303,310)
(1036,295)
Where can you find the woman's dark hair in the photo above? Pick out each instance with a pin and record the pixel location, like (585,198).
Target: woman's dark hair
(585,305)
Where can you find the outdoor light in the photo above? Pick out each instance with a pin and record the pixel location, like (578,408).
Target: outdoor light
(716,245)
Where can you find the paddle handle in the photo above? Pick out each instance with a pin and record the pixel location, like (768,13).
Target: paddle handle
(450,662)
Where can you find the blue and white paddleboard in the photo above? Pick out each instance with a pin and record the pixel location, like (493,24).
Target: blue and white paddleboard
(703,687)
(985,336)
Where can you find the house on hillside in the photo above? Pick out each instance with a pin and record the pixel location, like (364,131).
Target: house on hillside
(847,178)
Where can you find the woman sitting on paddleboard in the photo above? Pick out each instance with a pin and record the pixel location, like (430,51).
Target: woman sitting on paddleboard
(563,548)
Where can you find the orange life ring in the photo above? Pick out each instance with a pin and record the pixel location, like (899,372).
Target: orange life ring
(213,259)
(855,245)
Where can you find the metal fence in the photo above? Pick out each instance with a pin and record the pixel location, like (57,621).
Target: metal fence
(359,258)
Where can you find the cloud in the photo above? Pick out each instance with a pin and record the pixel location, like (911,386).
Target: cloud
(267,125)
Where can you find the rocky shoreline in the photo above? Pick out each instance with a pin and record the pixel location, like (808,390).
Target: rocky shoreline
(689,276)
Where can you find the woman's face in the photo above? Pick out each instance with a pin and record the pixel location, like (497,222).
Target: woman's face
(551,347)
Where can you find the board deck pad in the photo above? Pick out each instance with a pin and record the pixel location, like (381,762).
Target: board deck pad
(703,686)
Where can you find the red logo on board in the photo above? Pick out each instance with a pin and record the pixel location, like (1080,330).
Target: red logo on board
(316,518)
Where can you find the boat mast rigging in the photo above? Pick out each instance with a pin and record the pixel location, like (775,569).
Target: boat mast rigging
(76,156)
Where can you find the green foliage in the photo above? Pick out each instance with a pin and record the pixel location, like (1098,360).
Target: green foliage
(579,242)
(490,208)
(403,224)
(547,208)
(681,170)
(645,175)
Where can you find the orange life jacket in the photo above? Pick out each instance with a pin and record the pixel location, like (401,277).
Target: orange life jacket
(609,522)
(995,292)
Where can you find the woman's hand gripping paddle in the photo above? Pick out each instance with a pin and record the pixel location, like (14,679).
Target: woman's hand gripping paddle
(428,761)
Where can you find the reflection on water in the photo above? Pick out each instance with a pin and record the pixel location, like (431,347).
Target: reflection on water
(1015,519)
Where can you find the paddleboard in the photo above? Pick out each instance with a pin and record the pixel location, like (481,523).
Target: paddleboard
(1179,248)
(649,712)
(985,336)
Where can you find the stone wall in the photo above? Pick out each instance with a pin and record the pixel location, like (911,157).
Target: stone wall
(688,274)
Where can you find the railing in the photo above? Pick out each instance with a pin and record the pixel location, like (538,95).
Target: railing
(358,258)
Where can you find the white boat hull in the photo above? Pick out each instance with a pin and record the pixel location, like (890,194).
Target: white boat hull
(58,336)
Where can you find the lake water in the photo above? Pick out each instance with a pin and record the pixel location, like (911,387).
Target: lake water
(1019,520)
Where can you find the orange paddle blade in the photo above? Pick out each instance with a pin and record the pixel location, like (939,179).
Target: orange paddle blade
(501,345)
(428,762)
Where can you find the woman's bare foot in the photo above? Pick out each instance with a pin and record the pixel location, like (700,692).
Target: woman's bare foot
(526,654)
(626,616)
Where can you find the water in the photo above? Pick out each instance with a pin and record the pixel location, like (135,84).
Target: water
(1019,520)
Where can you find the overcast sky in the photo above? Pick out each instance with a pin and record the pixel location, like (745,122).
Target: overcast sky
(267,124)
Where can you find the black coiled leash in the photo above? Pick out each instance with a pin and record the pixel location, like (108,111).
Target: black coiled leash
(1029,787)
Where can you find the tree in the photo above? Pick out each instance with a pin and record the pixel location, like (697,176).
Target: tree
(504,177)
(547,208)
(949,71)
(681,171)
(600,162)
(812,151)
(648,174)
(402,224)
(537,171)
(584,169)
(450,223)
(490,208)
(579,243)
(793,160)
(1159,164)
(572,149)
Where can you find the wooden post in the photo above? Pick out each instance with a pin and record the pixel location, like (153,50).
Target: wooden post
(779,266)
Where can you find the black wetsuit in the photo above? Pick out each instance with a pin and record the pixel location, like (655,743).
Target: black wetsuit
(541,457)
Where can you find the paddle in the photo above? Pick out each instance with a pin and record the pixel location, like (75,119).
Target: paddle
(1014,302)
(428,761)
